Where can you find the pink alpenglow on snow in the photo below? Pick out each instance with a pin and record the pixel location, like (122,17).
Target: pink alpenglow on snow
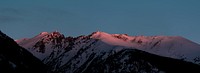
(167,46)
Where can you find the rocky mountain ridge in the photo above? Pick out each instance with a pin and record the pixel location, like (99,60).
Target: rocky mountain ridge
(80,54)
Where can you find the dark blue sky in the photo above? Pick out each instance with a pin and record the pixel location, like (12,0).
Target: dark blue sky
(27,18)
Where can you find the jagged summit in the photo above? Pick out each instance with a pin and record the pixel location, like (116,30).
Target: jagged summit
(51,33)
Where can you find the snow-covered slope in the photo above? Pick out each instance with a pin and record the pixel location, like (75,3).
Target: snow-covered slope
(75,54)
(168,46)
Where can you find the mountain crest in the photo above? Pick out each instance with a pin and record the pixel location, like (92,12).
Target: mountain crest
(168,46)
(98,35)
(51,35)
(44,33)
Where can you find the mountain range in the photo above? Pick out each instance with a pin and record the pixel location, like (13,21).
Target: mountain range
(102,52)
(76,54)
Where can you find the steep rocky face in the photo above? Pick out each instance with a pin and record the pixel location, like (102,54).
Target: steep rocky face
(15,59)
(103,52)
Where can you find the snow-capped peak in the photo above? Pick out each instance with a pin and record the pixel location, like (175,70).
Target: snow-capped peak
(109,38)
(168,46)
(44,33)
(51,33)
(56,33)
(72,53)
(99,35)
